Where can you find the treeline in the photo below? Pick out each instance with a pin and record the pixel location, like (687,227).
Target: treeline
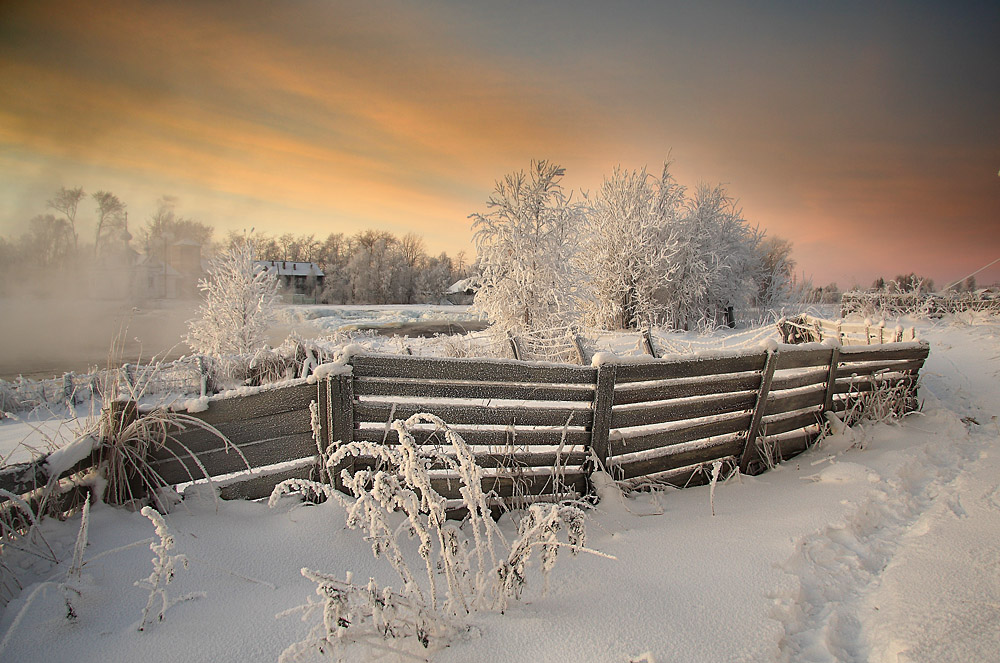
(80,234)
(368,267)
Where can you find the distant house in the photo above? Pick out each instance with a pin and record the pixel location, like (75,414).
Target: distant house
(297,278)
(464,291)
(174,278)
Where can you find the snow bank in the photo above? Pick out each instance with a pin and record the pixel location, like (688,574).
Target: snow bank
(64,458)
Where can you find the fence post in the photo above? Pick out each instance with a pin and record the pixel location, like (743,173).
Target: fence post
(831,379)
(604,396)
(758,412)
(340,396)
(578,344)
(515,347)
(647,343)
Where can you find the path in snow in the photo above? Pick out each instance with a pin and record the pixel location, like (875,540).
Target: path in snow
(888,582)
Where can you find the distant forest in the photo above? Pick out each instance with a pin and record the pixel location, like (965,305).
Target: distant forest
(82,234)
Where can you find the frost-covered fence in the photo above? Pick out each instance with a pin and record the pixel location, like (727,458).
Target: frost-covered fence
(539,429)
(806,328)
(896,304)
(181,377)
(531,425)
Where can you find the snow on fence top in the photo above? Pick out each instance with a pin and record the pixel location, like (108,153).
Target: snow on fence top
(540,429)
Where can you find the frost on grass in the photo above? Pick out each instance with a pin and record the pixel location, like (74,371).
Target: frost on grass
(465,569)
(71,586)
(356,618)
(164,569)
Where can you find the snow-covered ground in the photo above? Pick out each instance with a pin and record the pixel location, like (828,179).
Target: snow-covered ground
(878,545)
(342,318)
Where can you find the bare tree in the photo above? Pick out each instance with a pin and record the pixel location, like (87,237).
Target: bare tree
(66,201)
(164,227)
(111,219)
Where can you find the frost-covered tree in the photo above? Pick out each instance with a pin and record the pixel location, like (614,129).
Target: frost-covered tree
(775,280)
(628,241)
(525,242)
(715,263)
(240,295)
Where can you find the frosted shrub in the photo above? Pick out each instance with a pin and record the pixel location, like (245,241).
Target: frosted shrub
(240,296)
(465,568)
(627,246)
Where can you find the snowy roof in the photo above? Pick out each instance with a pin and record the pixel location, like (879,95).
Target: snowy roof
(289,268)
(466,286)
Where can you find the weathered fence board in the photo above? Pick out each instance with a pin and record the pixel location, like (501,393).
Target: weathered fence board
(804,358)
(470,414)
(782,403)
(625,468)
(385,366)
(670,437)
(874,367)
(641,392)
(800,379)
(272,401)
(688,409)
(485,437)
(259,452)
(471,390)
(689,368)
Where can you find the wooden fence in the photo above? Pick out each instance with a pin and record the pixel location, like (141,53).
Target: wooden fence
(806,329)
(539,429)
(896,304)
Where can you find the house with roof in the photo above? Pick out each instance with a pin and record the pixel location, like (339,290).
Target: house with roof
(296,278)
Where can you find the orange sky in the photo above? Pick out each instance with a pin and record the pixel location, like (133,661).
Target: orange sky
(867,136)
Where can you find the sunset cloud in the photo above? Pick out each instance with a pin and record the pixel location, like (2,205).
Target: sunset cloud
(323,117)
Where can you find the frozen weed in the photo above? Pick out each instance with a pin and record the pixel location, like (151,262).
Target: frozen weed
(358,617)
(71,586)
(886,401)
(466,568)
(164,568)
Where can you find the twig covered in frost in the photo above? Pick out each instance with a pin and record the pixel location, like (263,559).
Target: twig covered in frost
(312,491)
(716,469)
(539,528)
(71,586)
(364,616)
(164,565)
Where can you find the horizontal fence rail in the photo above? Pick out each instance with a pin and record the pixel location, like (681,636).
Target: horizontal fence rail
(539,430)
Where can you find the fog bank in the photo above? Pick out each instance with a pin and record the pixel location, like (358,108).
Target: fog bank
(41,338)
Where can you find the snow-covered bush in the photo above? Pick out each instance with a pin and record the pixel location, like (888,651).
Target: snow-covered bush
(356,618)
(525,242)
(239,302)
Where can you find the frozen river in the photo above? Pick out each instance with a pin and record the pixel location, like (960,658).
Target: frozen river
(40,338)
